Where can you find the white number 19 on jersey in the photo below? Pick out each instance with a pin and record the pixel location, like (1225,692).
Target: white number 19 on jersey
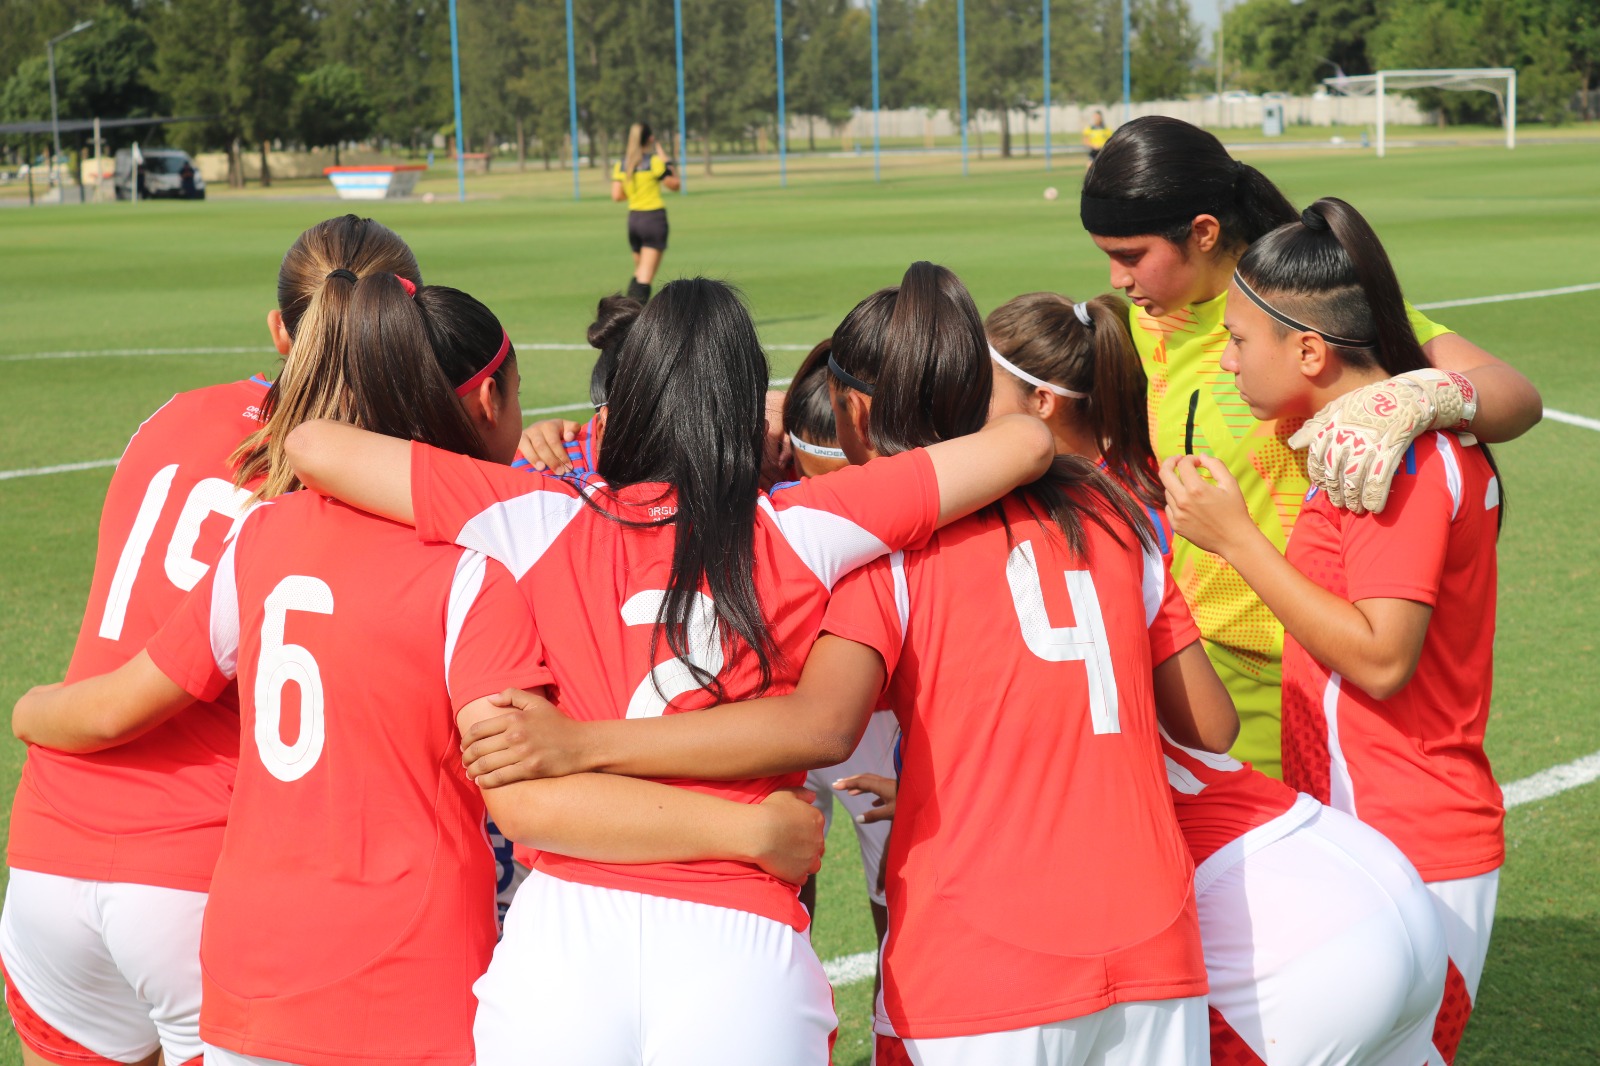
(1085,642)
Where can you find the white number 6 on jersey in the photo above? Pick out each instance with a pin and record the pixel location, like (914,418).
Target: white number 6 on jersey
(282,664)
(673,677)
(1085,641)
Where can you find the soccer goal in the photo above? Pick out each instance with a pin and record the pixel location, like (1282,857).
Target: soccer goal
(1501,81)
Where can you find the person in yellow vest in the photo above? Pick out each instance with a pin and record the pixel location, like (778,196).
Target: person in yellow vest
(1095,135)
(1174,213)
(639,178)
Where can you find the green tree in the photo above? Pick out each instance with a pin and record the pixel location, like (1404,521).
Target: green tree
(1430,34)
(1166,44)
(401,48)
(831,73)
(237,61)
(1283,46)
(331,105)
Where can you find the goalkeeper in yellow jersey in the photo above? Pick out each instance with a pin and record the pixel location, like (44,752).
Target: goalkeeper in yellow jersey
(1173,213)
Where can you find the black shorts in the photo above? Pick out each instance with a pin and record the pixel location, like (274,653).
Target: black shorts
(647,229)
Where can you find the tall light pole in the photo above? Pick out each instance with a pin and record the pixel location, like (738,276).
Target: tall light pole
(55,118)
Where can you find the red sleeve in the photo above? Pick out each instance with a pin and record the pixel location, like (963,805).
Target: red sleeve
(491,642)
(867,606)
(1172,628)
(509,515)
(847,518)
(198,645)
(1399,554)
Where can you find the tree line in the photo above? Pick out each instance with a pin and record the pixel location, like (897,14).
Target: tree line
(1554,45)
(324,72)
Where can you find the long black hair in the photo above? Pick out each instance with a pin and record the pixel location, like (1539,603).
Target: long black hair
(807,414)
(922,347)
(1156,174)
(688,411)
(1329,270)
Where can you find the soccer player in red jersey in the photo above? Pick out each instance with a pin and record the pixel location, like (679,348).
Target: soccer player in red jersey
(1320,940)
(352,905)
(1032,746)
(1385,699)
(111,852)
(663,584)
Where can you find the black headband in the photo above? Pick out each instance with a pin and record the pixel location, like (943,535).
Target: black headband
(847,378)
(1301,327)
(1135,218)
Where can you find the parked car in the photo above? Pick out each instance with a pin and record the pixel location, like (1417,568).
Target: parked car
(165,173)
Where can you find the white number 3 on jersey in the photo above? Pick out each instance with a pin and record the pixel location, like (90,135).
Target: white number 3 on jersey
(1085,642)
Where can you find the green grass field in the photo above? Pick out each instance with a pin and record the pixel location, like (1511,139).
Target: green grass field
(1459,222)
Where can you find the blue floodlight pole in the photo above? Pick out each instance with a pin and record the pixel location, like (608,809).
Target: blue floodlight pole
(1127,68)
(572,100)
(961,53)
(1047,84)
(455,77)
(783,133)
(877,161)
(683,129)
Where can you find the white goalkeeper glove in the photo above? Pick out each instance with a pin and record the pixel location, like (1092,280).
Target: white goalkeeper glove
(1355,444)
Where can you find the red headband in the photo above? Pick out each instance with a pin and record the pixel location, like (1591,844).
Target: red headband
(408,285)
(466,387)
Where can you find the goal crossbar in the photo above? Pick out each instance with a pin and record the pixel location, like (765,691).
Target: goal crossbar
(1500,81)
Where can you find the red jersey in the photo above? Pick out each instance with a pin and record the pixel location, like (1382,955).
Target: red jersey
(596,588)
(1411,766)
(353,903)
(151,811)
(1219,799)
(1021,676)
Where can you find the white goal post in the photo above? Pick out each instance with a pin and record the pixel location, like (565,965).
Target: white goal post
(1501,81)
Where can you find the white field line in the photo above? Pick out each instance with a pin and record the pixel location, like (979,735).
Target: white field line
(63,468)
(1572,420)
(849,969)
(1533,294)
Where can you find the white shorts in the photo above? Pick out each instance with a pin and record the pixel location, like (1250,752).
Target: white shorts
(111,965)
(1466,907)
(874,755)
(1321,945)
(1171,1032)
(604,977)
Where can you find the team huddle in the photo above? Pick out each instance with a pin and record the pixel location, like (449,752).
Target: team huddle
(1054,598)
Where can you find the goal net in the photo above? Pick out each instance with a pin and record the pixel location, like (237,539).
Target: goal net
(1500,81)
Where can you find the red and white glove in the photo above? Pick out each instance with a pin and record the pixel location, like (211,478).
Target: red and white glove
(1355,444)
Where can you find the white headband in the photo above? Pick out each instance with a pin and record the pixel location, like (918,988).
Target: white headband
(1082,311)
(1049,386)
(815,449)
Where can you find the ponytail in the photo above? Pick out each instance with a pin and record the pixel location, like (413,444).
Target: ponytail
(370,353)
(1156,174)
(1328,273)
(1044,334)
(638,137)
(933,383)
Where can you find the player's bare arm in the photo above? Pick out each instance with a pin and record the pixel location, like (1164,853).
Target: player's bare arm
(819,724)
(1193,705)
(364,469)
(622,820)
(1374,643)
(976,470)
(1508,403)
(99,712)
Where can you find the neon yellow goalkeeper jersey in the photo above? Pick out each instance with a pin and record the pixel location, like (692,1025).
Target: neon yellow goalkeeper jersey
(1195,407)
